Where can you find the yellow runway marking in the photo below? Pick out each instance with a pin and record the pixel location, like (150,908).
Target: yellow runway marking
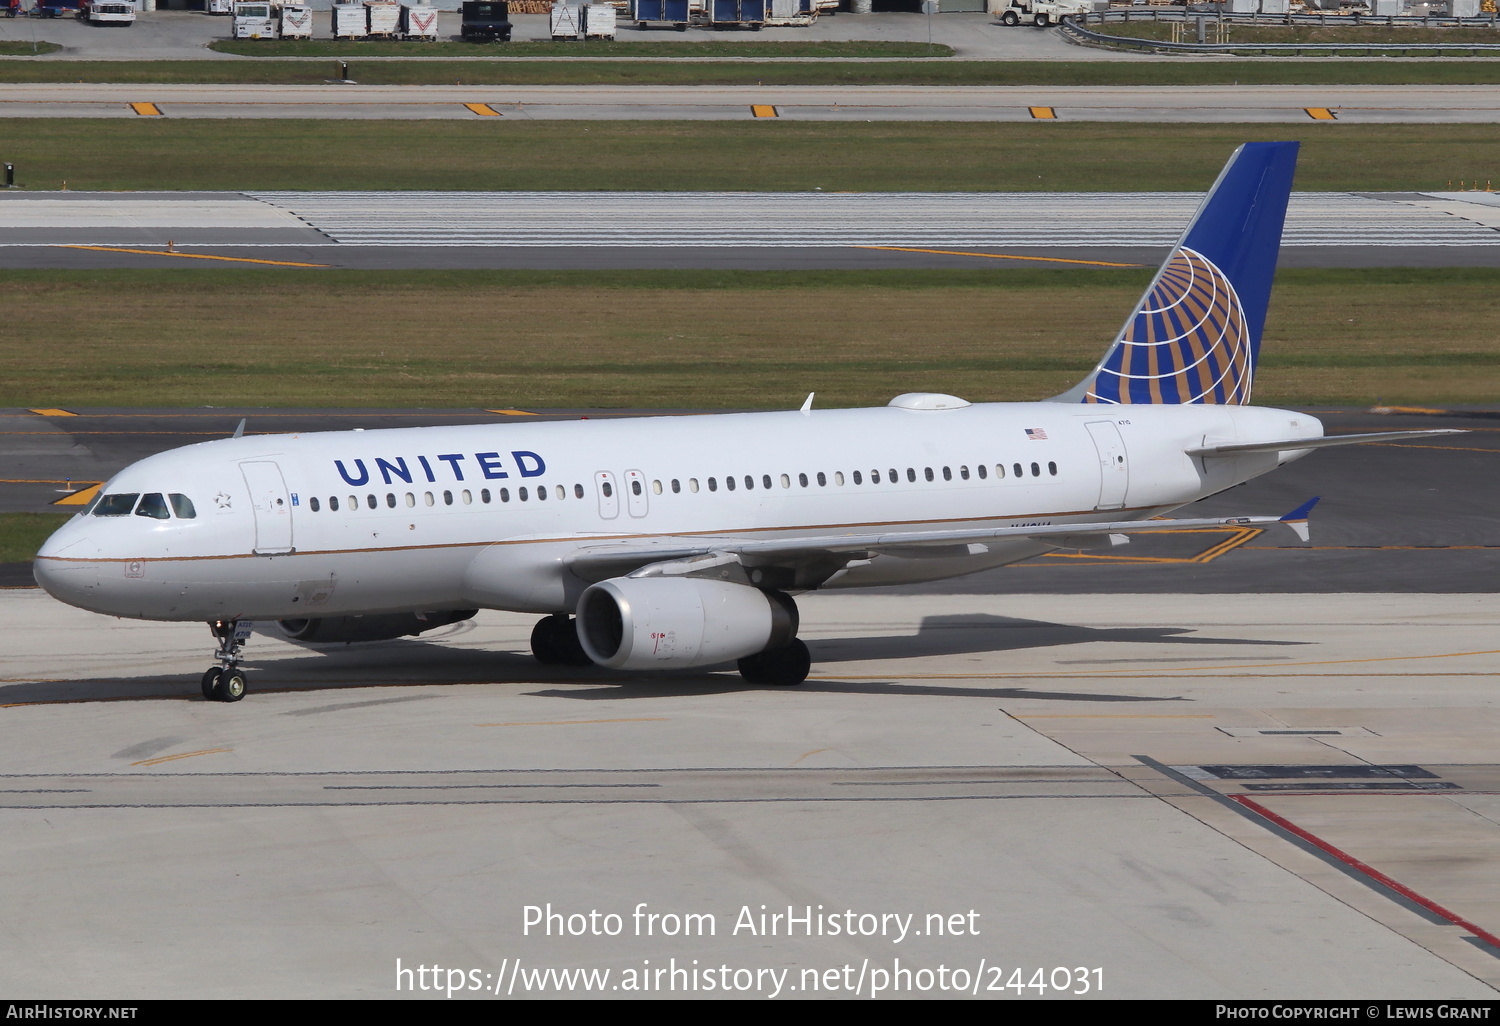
(804,755)
(1321,114)
(52,413)
(184,755)
(193,256)
(569,723)
(1043,113)
(484,110)
(82,497)
(763,110)
(513,413)
(149,110)
(999,256)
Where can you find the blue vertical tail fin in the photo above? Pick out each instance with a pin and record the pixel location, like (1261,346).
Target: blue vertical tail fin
(1195,335)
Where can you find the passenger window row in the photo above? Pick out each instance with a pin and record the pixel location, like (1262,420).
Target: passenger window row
(464,497)
(891,475)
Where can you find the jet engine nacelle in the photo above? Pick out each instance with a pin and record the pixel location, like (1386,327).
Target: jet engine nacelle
(379,627)
(636,623)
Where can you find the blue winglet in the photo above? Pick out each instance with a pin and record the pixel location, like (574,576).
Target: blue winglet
(1301,512)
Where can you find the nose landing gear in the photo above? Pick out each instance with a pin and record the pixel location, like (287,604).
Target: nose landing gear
(226,682)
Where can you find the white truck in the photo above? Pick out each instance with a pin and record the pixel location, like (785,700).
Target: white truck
(109,12)
(1040,13)
(255,21)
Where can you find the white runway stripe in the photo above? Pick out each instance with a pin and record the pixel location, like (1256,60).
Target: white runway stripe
(916,220)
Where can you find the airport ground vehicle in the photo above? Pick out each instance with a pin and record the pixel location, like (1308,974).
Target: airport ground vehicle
(57,8)
(671,543)
(486,20)
(108,12)
(10,8)
(1040,13)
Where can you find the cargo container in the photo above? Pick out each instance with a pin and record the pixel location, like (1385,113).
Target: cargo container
(566,21)
(1463,8)
(255,21)
(296,22)
(660,12)
(419,21)
(382,18)
(349,21)
(487,19)
(108,12)
(749,14)
(599,21)
(791,12)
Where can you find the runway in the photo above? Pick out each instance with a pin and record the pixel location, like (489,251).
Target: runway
(1199,104)
(1223,797)
(750,230)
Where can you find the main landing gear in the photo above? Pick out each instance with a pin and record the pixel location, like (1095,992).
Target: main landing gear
(787,665)
(226,682)
(554,642)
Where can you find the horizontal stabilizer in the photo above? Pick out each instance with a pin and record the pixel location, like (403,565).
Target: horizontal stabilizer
(1320,442)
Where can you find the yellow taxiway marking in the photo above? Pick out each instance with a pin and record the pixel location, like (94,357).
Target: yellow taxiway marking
(804,755)
(484,110)
(1454,448)
(1238,537)
(184,755)
(1321,114)
(82,497)
(36,480)
(999,256)
(149,110)
(569,723)
(513,413)
(52,413)
(1110,716)
(763,110)
(193,256)
(1043,113)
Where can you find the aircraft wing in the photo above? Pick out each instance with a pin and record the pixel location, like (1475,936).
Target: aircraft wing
(828,552)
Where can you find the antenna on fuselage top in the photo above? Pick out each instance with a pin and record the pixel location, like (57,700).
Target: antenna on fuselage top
(239,432)
(807,403)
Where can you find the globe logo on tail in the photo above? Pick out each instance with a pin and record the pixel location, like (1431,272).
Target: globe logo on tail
(1187,342)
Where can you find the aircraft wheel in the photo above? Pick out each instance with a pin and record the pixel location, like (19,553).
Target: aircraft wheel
(210,683)
(785,666)
(231,686)
(1010,18)
(543,644)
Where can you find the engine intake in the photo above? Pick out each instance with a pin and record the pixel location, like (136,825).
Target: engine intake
(636,623)
(378,627)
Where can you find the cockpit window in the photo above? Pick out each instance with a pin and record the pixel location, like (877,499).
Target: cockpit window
(153,506)
(182,506)
(117,505)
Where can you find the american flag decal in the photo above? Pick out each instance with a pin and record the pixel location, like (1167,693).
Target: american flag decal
(1036,434)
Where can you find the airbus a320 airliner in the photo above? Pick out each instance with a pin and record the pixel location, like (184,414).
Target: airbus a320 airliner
(672,543)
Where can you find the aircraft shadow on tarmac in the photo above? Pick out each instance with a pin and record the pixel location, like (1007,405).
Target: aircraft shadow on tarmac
(409,662)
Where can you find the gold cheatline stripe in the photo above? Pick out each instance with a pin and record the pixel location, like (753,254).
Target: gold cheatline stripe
(998,256)
(193,256)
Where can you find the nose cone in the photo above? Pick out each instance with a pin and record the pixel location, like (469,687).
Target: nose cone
(67,565)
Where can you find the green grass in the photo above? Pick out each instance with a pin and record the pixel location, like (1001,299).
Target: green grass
(21,534)
(700,339)
(15,48)
(592,48)
(756,155)
(700,72)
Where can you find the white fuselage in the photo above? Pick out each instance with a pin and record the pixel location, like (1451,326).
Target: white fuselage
(360,522)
